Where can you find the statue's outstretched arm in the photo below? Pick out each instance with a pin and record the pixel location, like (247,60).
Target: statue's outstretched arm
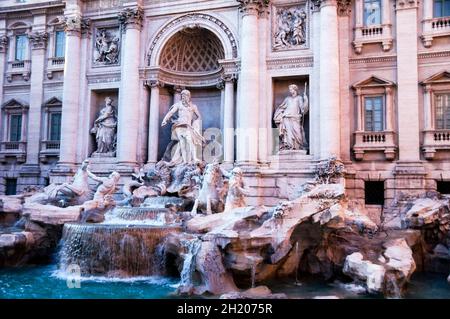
(94,177)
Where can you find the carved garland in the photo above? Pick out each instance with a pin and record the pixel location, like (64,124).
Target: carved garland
(193,17)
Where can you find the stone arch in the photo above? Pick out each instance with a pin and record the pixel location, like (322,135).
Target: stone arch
(200,20)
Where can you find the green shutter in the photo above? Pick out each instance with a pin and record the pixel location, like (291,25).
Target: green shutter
(15,133)
(55,126)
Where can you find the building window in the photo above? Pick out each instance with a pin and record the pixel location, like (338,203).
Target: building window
(21,47)
(373,113)
(442,108)
(374,193)
(15,128)
(55,126)
(11,186)
(441,8)
(60,41)
(372,12)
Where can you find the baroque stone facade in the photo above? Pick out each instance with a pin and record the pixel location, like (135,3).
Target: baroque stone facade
(376,79)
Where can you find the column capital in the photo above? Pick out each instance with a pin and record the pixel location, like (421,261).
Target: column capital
(427,88)
(229,77)
(154,84)
(3,43)
(72,24)
(220,84)
(406,4)
(131,18)
(343,6)
(38,40)
(253,7)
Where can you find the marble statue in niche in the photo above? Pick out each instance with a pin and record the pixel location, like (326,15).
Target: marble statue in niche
(105,130)
(289,118)
(186,130)
(289,28)
(106,49)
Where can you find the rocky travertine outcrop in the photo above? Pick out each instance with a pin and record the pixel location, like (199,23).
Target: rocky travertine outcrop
(314,233)
(388,274)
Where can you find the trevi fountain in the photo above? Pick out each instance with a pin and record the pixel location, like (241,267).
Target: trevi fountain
(183,225)
(274,149)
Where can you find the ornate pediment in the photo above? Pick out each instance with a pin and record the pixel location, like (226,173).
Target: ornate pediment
(54,101)
(14,104)
(439,78)
(373,81)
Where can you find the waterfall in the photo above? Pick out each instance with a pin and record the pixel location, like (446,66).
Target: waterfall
(113,250)
(192,246)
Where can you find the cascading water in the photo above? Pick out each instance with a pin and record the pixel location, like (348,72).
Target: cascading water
(124,245)
(192,247)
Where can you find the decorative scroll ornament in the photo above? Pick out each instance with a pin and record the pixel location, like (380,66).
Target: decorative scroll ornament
(38,40)
(3,43)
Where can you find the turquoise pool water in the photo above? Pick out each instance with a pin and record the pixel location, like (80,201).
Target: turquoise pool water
(44,282)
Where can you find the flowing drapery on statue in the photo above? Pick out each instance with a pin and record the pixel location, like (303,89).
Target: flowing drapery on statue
(186,130)
(289,118)
(105,128)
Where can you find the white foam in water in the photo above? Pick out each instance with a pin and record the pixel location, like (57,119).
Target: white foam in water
(155,280)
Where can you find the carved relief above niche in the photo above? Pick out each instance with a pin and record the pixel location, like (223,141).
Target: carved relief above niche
(290,26)
(106,49)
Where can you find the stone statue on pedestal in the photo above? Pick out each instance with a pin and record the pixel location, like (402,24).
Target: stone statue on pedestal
(105,130)
(289,118)
(186,130)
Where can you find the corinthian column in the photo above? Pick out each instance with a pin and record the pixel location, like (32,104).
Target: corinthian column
(38,42)
(408,79)
(153,122)
(248,105)
(329,79)
(131,21)
(228,118)
(71,91)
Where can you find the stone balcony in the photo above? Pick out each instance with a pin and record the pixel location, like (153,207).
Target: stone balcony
(375,142)
(433,28)
(16,150)
(22,68)
(49,149)
(54,65)
(434,140)
(373,34)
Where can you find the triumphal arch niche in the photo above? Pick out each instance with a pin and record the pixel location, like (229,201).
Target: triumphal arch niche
(195,52)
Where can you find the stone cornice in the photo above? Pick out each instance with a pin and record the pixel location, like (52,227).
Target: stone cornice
(373,59)
(38,40)
(290,63)
(131,17)
(31,6)
(104,77)
(430,55)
